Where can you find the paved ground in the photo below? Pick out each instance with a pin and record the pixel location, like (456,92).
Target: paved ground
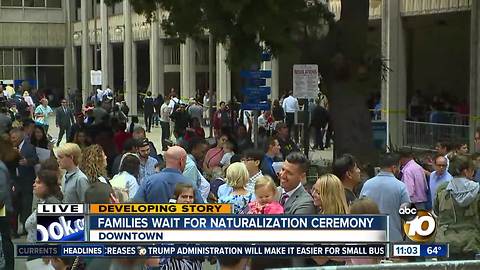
(155,136)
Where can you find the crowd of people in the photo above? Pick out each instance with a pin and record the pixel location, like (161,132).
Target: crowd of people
(90,167)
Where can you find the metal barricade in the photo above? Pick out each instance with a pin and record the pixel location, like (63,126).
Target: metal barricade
(425,135)
(443,265)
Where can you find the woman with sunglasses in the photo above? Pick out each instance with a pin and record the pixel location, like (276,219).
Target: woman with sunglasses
(125,183)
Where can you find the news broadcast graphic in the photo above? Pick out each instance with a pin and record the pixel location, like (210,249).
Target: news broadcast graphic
(60,223)
(419,224)
(176,250)
(201,230)
(420,250)
(237,228)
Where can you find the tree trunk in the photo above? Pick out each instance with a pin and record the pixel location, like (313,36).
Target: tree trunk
(351,121)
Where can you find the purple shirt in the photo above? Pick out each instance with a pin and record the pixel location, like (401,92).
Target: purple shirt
(415,181)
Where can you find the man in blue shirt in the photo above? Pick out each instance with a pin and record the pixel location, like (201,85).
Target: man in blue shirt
(197,148)
(159,188)
(439,176)
(271,156)
(147,163)
(389,193)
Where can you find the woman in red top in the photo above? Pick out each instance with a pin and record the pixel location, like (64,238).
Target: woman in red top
(121,136)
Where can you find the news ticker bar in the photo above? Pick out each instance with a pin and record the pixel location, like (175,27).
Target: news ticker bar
(420,250)
(167,250)
(250,250)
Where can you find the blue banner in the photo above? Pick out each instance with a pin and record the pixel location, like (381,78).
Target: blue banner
(252,82)
(265,90)
(434,250)
(240,222)
(168,250)
(256,74)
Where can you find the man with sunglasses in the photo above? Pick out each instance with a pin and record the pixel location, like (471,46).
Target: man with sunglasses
(439,176)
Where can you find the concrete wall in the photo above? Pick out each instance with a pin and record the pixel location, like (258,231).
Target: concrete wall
(32,34)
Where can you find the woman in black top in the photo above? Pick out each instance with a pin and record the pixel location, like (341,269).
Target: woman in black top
(277,111)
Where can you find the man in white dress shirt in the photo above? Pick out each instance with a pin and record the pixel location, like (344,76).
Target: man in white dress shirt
(290,106)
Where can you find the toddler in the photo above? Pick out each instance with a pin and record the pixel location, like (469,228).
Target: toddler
(265,203)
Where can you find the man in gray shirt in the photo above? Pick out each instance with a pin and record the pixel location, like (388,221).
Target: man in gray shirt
(74,182)
(389,193)
(195,110)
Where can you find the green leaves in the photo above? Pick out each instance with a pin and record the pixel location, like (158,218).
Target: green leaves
(243,25)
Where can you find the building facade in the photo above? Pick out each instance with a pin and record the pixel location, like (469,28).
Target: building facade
(429,45)
(432,47)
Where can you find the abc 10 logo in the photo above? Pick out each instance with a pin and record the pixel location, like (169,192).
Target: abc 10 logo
(419,225)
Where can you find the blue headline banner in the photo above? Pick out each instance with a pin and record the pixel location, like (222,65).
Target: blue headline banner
(168,250)
(434,250)
(239,222)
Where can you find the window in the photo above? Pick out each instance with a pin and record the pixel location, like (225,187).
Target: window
(8,57)
(50,56)
(8,73)
(28,73)
(54,3)
(117,8)
(34,3)
(51,78)
(12,3)
(25,56)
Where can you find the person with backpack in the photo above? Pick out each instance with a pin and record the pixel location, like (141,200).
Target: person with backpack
(125,183)
(457,206)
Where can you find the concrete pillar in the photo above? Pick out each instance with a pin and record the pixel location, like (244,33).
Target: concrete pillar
(187,69)
(73,68)
(110,67)
(104,44)
(275,79)
(161,67)
(474,120)
(67,61)
(85,52)
(394,90)
(130,96)
(133,108)
(154,63)
(224,81)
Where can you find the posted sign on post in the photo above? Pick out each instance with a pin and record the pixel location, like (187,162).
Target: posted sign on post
(305,81)
(95,77)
